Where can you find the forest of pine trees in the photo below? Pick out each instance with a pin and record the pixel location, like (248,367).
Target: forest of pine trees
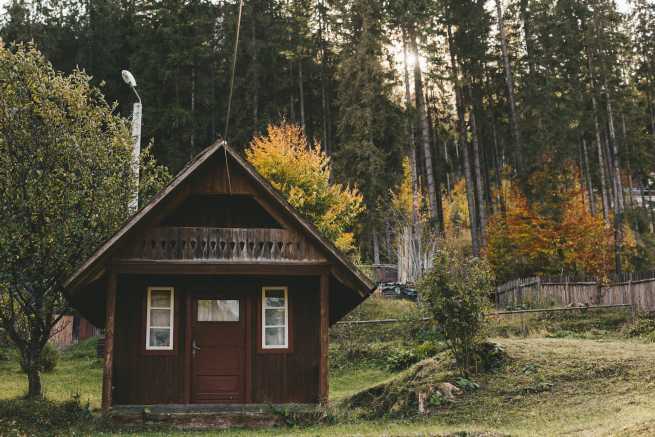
(496,119)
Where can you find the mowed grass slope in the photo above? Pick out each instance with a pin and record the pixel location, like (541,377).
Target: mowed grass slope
(587,380)
(596,388)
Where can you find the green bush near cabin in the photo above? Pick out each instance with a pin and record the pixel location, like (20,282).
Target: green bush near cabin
(43,417)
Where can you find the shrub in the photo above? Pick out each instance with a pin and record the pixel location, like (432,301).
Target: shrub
(490,356)
(42,417)
(455,292)
(401,359)
(466,384)
(426,349)
(47,362)
(643,327)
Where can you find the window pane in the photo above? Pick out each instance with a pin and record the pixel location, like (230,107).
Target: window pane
(218,310)
(274,336)
(160,337)
(275,298)
(160,318)
(274,317)
(160,298)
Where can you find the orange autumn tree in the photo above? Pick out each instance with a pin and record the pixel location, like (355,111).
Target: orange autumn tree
(519,242)
(553,234)
(301,172)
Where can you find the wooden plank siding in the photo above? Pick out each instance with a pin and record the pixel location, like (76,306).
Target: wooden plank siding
(146,377)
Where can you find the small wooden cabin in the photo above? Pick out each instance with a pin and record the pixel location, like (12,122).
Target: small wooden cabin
(72,329)
(216,292)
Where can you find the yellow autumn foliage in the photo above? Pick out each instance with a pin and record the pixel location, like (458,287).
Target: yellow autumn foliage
(301,172)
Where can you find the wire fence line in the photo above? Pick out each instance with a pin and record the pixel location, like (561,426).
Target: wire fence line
(492,314)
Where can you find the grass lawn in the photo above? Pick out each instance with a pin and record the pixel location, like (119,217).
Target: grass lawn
(558,381)
(77,372)
(346,383)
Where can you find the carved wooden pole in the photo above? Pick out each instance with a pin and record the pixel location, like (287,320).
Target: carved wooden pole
(109,343)
(324,339)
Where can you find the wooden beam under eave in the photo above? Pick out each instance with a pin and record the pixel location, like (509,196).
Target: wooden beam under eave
(107,375)
(199,267)
(324,339)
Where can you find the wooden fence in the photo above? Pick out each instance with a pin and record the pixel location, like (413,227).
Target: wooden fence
(540,292)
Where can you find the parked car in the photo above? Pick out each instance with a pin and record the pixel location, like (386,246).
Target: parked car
(395,290)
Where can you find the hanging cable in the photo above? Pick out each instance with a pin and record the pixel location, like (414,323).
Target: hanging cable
(229,99)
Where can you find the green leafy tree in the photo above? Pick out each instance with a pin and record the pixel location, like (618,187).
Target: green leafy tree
(66,180)
(456,293)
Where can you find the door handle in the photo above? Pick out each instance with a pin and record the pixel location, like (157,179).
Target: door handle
(194,348)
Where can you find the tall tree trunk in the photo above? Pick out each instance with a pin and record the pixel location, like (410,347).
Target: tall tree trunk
(609,170)
(651,112)
(424,127)
(388,238)
(415,225)
(301,91)
(613,160)
(468,175)
(619,203)
(412,146)
(255,75)
(376,246)
(615,151)
(34,389)
(527,34)
(193,111)
(599,145)
(448,167)
(590,188)
(324,113)
(479,183)
(624,136)
(213,99)
(645,205)
(435,147)
(583,176)
(499,182)
(509,81)
(31,356)
(292,80)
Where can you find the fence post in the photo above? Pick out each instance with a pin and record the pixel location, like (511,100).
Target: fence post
(631,293)
(599,292)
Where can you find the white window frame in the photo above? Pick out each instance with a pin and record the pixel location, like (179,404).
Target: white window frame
(172,318)
(286,318)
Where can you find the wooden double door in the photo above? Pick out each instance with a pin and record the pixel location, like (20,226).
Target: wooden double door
(219,347)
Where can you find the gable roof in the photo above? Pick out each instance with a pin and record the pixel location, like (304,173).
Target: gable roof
(359,281)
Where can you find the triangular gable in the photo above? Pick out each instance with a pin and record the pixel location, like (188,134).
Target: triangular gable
(343,269)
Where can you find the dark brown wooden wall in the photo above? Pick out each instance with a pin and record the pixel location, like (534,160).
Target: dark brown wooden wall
(292,377)
(142,377)
(221,211)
